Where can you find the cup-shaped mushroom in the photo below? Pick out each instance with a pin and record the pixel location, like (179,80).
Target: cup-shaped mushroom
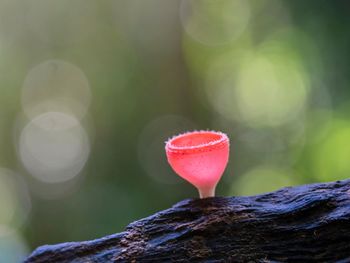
(200,157)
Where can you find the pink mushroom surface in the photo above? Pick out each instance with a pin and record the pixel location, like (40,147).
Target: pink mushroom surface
(200,157)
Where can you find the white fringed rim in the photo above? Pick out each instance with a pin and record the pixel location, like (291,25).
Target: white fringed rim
(223,140)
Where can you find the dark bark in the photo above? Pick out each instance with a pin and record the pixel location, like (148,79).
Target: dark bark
(309,223)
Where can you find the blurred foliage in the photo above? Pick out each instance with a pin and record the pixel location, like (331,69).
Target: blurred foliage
(90,90)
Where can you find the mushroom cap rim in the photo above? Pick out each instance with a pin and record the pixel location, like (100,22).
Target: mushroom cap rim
(222,141)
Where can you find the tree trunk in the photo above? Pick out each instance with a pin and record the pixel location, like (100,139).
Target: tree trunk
(309,223)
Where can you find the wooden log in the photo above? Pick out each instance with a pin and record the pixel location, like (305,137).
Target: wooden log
(309,223)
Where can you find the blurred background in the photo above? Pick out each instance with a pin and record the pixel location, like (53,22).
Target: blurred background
(90,90)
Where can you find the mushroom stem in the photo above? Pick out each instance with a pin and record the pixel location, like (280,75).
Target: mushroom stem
(207,192)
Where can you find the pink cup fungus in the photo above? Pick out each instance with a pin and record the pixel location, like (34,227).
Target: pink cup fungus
(200,157)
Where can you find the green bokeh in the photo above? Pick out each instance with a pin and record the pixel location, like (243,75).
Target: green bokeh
(271,74)
(261,180)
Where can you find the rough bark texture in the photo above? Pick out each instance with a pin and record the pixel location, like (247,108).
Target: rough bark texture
(309,223)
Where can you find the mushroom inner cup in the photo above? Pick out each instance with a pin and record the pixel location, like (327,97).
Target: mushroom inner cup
(197,141)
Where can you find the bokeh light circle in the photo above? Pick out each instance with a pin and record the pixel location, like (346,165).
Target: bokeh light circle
(264,88)
(265,96)
(214,22)
(54,147)
(56,85)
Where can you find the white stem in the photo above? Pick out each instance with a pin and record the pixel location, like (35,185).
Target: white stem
(207,192)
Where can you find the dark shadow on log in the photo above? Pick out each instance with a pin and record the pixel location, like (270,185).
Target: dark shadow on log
(309,223)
